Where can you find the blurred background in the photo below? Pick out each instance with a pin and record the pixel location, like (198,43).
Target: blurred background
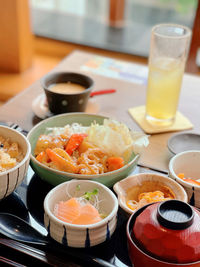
(93,23)
(37,34)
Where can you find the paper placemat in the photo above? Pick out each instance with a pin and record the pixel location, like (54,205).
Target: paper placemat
(181,122)
(117,69)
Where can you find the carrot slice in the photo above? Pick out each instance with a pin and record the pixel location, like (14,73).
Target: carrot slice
(42,157)
(181,175)
(115,163)
(74,142)
(60,162)
(84,146)
(61,152)
(189,180)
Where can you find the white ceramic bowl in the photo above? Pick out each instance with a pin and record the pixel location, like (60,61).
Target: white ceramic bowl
(81,235)
(122,187)
(12,178)
(187,162)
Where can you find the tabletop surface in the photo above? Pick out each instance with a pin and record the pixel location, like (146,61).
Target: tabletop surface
(131,92)
(129,80)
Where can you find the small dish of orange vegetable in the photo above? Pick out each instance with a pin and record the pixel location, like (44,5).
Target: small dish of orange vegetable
(184,168)
(189,180)
(141,189)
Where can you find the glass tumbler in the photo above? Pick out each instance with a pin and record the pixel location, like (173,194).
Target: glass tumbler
(168,54)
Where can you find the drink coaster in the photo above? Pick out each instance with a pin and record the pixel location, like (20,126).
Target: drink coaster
(180,123)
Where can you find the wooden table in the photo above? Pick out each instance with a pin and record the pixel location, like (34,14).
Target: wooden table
(128,95)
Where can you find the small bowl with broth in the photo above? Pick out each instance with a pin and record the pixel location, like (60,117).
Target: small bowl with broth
(67,91)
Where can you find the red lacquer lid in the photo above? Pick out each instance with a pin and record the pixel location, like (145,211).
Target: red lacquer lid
(170,231)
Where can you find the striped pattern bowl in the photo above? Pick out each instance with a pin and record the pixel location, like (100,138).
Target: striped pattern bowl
(81,235)
(187,162)
(12,178)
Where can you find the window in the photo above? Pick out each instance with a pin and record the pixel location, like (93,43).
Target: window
(86,22)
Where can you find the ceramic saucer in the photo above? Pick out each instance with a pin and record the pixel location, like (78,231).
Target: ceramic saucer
(183,141)
(41,109)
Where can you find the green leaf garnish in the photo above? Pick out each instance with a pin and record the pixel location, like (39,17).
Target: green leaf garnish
(89,195)
(78,187)
(103,215)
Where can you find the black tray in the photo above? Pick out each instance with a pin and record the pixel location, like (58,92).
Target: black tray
(27,203)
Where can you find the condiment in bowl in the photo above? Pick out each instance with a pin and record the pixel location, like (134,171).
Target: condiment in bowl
(144,188)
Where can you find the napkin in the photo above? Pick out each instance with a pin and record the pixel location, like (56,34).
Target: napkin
(180,123)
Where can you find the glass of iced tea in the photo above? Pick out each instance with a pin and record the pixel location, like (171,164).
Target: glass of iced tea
(168,54)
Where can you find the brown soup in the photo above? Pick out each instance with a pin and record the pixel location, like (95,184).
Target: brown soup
(67,88)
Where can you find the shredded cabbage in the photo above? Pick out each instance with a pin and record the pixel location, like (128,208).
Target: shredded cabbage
(116,139)
(68,130)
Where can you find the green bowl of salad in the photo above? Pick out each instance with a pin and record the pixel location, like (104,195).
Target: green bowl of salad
(86,147)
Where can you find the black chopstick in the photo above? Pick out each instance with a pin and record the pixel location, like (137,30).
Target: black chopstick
(8,262)
(56,249)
